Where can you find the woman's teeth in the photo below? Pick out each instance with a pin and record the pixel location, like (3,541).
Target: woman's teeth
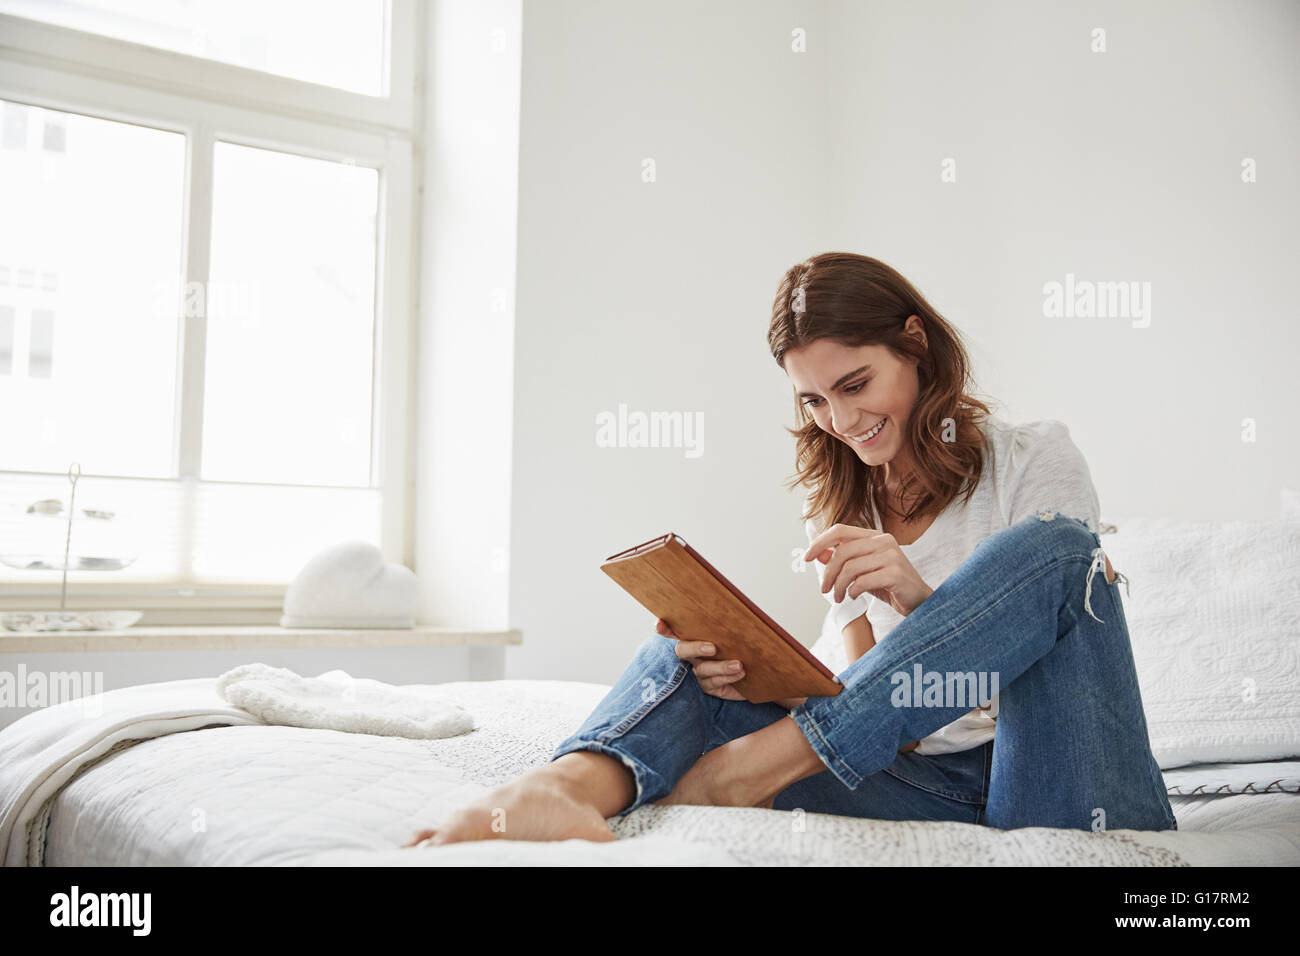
(867,436)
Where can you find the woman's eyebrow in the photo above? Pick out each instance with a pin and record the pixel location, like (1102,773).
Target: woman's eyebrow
(842,379)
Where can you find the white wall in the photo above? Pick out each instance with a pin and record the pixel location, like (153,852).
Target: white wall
(1119,166)
(464,357)
(1114,166)
(655,295)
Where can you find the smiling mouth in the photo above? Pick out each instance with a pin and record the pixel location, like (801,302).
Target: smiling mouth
(867,436)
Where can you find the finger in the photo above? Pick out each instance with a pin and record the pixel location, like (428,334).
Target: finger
(835,565)
(720,688)
(880,566)
(731,669)
(843,561)
(862,575)
(689,650)
(833,537)
(846,548)
(712,684)
(828,538)
(663,628)
(728,693)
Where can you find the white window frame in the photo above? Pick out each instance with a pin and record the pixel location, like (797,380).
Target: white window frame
(63,69)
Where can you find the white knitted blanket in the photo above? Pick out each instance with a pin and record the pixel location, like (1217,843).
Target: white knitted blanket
(336,701)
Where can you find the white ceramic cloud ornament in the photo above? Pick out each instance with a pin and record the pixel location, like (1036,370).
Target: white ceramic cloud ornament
(350,585)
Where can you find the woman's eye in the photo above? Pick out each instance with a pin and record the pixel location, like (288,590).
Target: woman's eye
(851,390)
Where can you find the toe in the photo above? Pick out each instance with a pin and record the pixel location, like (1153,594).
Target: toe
(420,837)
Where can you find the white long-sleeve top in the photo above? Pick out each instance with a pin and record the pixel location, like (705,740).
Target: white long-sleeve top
(1027,468)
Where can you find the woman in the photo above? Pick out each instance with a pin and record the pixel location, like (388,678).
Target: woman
(969,543)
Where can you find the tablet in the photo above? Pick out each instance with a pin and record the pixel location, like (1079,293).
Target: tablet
(671,580)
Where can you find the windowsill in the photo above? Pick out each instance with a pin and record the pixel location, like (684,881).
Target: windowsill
(249,637)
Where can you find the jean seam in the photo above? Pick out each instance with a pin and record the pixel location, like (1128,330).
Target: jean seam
(605,743)
(640,772)
(843,772)
(958,796)
(986,783)
(636,716)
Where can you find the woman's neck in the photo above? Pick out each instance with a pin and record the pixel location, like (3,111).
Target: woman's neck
(889,500)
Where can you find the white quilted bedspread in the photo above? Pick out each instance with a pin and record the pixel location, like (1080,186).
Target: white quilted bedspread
(274,795)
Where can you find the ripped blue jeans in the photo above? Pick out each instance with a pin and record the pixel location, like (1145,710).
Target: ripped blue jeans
(1070,750)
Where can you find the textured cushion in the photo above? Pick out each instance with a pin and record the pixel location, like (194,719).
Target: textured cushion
(1214,617)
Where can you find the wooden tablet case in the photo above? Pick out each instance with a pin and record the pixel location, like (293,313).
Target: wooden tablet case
(672,581)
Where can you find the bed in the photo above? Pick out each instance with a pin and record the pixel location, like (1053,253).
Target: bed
(218,789)
(274,795)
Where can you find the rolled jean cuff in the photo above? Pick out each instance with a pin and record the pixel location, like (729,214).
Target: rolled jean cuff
(646,779)
(822,747)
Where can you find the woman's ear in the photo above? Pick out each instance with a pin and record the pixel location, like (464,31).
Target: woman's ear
(916,327)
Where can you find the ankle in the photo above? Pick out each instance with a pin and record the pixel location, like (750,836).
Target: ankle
(596,779)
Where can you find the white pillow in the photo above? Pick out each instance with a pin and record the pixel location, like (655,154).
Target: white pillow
(1214,618)
(1290,504)
(349,585)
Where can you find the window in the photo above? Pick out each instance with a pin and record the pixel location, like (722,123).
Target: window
(290,318)
(89,231)
(343,48)
(204,292)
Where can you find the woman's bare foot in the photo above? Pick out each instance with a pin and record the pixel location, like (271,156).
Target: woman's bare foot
(562,800)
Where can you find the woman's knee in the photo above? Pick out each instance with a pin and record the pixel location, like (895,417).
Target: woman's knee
(658,649)
(1055,532)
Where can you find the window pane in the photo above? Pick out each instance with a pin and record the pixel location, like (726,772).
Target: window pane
(337,43)
(192,531)
(291,319)
(7,326)
(90,252)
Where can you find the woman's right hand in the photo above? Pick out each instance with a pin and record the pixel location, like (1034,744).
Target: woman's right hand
(714,677)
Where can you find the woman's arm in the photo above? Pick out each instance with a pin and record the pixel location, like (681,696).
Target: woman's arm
(858,637)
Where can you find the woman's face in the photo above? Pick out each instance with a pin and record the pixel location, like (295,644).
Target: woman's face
(850,391)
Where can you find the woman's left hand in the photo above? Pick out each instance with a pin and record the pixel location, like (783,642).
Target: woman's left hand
(872,562)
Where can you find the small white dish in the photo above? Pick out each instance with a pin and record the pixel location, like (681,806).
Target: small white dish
(69,620)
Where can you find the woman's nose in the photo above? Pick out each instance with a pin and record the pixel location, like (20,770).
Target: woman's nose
(842,419)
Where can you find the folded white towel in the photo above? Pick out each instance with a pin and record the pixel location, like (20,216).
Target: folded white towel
(337,701)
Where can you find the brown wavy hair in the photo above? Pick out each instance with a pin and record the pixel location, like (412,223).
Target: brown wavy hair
(856,300)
